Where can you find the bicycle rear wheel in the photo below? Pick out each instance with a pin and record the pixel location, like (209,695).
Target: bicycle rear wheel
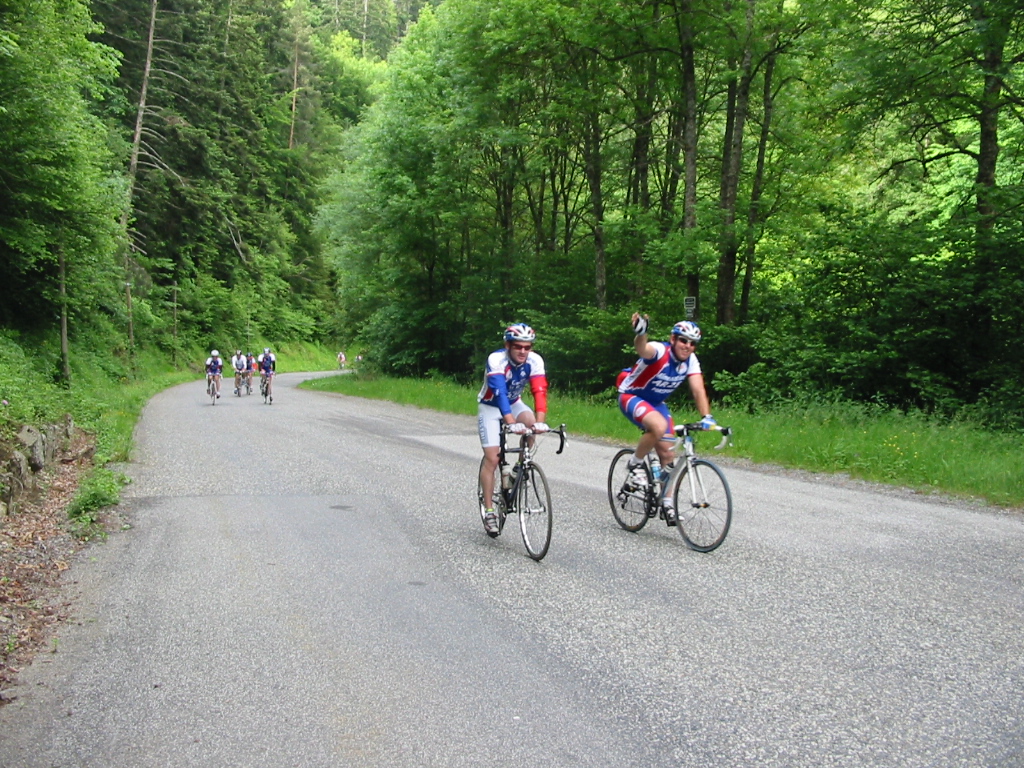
(703,521)
(497,500)
(630,506)
(534,508)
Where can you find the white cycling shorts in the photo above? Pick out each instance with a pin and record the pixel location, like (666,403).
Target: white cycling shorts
(488,419)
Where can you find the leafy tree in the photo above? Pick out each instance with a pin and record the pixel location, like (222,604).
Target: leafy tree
(59,201)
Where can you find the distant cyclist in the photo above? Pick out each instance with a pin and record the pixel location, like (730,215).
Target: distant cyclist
(267,364)
(214,369)
(341,361)
(250,367)
(506,374)
(643,389)
(238,365)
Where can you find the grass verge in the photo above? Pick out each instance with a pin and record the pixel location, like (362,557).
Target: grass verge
(865,442)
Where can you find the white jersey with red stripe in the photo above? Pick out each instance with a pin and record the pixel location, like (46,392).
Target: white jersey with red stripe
(654,379)
(504,383)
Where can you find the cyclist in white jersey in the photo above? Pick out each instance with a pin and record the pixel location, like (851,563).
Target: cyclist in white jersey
(507,373)
(238,364)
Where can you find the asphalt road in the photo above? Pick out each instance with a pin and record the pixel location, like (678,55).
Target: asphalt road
(309,584)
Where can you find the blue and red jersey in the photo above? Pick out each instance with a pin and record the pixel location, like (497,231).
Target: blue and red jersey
(504,382)
(214,365)
(654,379)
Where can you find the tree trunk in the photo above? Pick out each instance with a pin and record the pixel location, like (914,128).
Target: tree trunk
(592,159)
(754,217)
(732,162)
(133,169)
(64,348)
(295,94)
(690,139)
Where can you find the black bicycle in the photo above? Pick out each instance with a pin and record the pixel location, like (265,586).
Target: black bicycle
(701,505)
(522,489)
(267,387)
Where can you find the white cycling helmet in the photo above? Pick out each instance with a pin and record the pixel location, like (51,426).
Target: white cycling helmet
(688,330)
(520,332)
(215,353)
(266,350)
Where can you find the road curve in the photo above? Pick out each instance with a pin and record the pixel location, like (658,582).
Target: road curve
(308,584)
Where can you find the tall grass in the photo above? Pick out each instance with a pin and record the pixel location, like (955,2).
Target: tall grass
(304,356)
(865,442)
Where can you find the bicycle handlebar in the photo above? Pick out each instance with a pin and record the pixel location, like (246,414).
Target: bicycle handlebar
(683,429)
(562,435)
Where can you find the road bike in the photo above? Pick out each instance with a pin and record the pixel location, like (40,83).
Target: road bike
(211,388)
(239,381)
(248,382)
(701,500)
(267,387)
(522,489)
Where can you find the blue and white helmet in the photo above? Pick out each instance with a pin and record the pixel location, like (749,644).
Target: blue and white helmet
(688,330)
(520,332)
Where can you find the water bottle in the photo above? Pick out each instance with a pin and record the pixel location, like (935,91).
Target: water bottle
(506,476)
(656,470)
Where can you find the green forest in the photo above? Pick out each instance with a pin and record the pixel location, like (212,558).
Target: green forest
(834,190)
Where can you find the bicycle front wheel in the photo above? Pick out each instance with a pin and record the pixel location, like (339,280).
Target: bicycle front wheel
(534,507)
(703,517)
(630,505)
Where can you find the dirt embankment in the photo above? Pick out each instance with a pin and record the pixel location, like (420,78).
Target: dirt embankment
(36,547)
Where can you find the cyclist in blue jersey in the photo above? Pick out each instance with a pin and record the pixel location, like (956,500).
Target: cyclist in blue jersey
(214,369)
(267,363)
(643,389)
(506,375)
(250,368)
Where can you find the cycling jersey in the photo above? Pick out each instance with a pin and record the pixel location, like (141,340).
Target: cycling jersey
(238,362)
(504,382)
(214,365)
(654,379)
(267,363)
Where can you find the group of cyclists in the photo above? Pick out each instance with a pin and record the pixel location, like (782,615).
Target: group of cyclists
(660,368)
(244,366)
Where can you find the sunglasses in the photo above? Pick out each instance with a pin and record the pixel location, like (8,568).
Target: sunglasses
(686,341)
(521,347)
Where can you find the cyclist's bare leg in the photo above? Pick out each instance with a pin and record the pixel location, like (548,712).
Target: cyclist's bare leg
(217,378)
(653,439)
(490,463)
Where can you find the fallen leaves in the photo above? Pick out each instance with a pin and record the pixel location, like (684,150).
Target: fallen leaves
(36,547)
